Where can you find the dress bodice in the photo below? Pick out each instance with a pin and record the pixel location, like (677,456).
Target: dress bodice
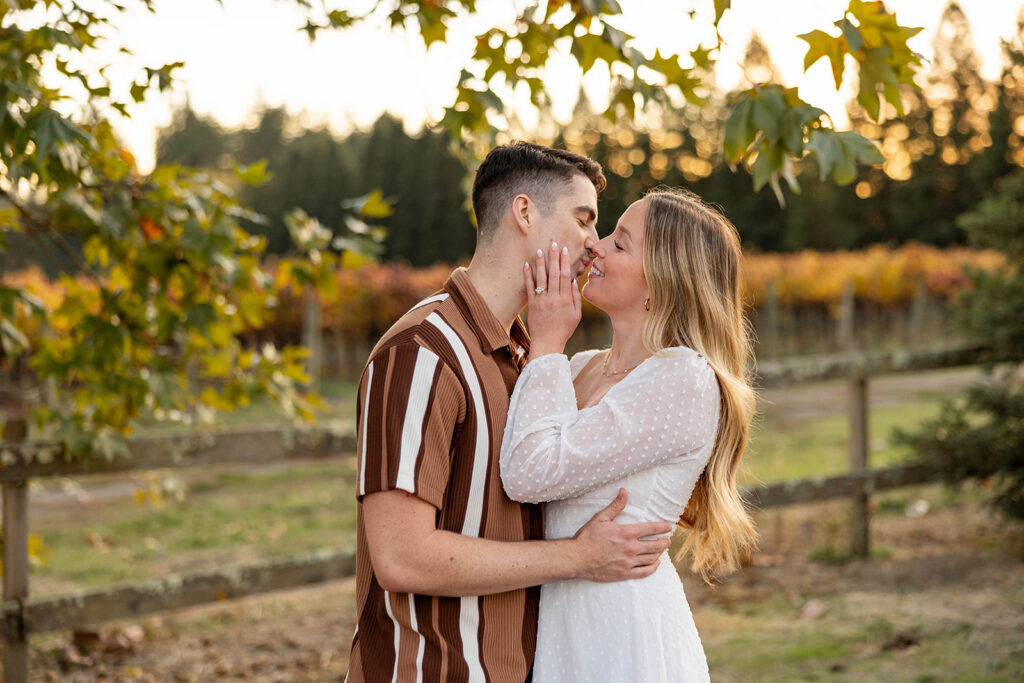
(652,434)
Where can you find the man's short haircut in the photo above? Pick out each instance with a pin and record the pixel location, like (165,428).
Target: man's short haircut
(524,168)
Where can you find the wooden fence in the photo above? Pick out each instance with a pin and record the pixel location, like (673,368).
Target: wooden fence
(780,330)
(22,615)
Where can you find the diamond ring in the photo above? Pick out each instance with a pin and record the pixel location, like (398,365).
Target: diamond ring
(538,290)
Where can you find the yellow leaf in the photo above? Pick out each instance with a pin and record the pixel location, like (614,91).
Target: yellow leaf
(351,260)
(284,275)
(215,400)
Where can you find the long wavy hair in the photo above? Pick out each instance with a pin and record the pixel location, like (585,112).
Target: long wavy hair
(691,260)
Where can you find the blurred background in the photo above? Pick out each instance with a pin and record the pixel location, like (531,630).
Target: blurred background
(886,311)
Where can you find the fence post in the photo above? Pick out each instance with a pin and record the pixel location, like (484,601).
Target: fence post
(770,326)
(918,309)
(859,538)
(15,581)
(847,315)
(312,338)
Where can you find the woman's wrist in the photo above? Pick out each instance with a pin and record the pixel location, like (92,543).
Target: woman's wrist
(544,349)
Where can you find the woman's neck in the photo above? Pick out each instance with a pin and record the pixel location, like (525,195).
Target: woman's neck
(627,344)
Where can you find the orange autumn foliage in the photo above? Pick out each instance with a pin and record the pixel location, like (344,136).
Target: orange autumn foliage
(371,297)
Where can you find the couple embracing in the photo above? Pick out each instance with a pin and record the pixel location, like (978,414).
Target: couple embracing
(515,505)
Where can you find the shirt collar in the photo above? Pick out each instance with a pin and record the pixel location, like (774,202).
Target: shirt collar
(488,330)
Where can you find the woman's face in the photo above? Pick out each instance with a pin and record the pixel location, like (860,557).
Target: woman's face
(616,280)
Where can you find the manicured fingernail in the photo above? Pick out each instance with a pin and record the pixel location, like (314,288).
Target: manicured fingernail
(527,266)
(540,253)
(565,250)
(554,245)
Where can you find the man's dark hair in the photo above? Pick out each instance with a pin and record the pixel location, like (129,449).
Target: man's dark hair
(525,168)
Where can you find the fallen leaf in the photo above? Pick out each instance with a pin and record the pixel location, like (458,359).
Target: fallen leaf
(813,609)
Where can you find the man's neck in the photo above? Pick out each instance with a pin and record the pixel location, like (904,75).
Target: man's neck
(499,281)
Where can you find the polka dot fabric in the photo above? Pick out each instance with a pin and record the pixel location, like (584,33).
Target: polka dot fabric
(651,434)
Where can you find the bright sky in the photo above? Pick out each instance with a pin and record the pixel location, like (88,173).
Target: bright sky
(249,52)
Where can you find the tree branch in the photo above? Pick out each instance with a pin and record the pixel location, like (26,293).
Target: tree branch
(38,225)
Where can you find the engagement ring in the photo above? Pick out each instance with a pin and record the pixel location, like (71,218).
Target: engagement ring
(538,290)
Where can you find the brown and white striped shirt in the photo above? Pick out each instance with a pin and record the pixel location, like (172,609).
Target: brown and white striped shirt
(432,406)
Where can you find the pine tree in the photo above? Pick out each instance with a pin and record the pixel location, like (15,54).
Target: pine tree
(982,434)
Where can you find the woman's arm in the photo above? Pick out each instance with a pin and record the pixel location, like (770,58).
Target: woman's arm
(551,451)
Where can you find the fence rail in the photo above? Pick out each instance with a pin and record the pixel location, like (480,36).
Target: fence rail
(39,615)
(22,460)
(32,459)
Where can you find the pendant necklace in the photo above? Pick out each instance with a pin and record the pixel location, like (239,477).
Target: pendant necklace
(604,366)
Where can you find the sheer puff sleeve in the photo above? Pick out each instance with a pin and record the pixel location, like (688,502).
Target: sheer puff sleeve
(666,408)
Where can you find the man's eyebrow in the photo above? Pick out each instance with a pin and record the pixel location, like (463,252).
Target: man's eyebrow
(589,210)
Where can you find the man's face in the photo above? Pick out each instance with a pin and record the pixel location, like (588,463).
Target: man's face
(572,222)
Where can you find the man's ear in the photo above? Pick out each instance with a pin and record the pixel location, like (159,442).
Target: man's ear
(524,213)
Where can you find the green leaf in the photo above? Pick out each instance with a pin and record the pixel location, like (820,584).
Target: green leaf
(739,131)
(766,164)
(596,7)
(12,340)
(839,152)
(253,174)
(867,96)
(340,18)
(624,97)
(768,108)
(851,34)
(720,7)
(615,37)
(432,29)
(589,48)
(372,205)
(701,57)
(138,91)
(793,125)
(875,70)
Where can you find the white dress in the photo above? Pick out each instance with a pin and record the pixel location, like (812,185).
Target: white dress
(652,434)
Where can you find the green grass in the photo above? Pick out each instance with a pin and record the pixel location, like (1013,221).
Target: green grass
(225,518)
(232,514)
(782,449)
(774,644)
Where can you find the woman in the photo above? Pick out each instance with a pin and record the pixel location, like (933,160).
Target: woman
(663,413)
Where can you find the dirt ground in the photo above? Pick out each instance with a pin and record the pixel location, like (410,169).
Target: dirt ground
(954,567)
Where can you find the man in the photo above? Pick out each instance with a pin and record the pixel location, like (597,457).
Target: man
(449,567)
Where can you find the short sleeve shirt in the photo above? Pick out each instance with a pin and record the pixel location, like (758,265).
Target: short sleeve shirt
(432,404)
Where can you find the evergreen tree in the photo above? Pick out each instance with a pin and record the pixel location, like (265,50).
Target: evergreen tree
(430,222)
(312,172)
(192,140)
(1006,120)
(945,129)
(982,434)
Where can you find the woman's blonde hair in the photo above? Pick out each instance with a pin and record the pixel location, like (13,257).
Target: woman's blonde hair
(691,260)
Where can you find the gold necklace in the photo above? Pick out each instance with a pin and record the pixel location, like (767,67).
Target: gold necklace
(604,366)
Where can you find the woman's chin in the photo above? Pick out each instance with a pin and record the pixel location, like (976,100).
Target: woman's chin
(592,294)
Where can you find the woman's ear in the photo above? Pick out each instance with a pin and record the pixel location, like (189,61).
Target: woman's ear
(523,213)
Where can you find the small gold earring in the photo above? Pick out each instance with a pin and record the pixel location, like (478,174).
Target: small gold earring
(647,304)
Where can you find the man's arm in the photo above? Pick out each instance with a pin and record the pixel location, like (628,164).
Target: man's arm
(411,555)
